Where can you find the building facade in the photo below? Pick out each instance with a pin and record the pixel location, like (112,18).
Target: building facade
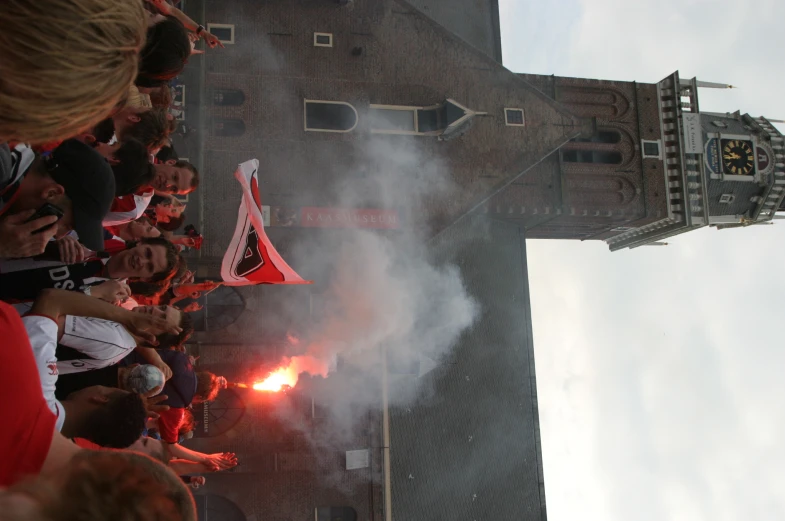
(353,110)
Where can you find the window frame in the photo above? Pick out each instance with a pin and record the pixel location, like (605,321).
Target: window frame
(507,120)
(210,27)
(216,134)
(414,110)
(657,142)
(316,40)
(403,108)
(305,116)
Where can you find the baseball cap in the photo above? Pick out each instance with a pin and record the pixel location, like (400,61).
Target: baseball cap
(89,183)
(144,378)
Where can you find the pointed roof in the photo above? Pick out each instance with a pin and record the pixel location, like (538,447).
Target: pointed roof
(475,21)
(491,155)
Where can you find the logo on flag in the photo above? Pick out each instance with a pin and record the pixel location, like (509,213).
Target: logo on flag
(251,257)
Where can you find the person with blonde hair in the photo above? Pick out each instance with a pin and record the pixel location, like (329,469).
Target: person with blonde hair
(66,64)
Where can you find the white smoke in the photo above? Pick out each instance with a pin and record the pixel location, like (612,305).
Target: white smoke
(385,294)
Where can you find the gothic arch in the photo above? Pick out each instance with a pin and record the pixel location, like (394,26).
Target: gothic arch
(329,116)
(600,190)
(214,507)
(601,102)
(610,146)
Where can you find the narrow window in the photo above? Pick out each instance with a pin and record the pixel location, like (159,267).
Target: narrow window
(230,127)
(514,117)
(322,40)
(228,97)
(401,120)
(329,116)
(224,32)
(336,514)
(602,136)
(432,121)
(591,156)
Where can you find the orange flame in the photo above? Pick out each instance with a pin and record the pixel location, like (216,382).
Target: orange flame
(277,379)
(289,374)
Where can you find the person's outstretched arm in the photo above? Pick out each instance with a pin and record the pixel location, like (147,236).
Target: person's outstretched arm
(57,303)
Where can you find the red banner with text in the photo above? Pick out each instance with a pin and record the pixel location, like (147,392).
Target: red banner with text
(317,217)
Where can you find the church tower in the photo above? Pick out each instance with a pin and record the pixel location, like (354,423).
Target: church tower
(722,170)
(654,166)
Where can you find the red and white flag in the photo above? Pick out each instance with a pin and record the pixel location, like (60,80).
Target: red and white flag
(251,258)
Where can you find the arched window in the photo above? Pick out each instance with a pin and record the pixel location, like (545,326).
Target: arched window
(218,416)
(212,507)
(601,136)
(329,116)
(599,157)
(228,97)
(219,309)
(228,127)
(336,514)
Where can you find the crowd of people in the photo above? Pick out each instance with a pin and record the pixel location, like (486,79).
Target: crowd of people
(93,357)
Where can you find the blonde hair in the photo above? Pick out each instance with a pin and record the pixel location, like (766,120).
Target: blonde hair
(65,64)
(138,99)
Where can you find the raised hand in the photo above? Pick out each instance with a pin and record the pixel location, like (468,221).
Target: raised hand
(221,460)
(18,238)
(112,291)
(154,407)
(147,326)
(71,250)
(211,40)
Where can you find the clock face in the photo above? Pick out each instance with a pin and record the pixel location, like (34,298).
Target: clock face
(738,157)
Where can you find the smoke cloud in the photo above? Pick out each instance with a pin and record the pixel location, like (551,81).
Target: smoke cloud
(376,294)
(385,293)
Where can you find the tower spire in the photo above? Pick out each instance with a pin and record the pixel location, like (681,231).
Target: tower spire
(712,85)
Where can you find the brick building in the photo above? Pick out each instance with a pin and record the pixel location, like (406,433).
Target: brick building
(328,95)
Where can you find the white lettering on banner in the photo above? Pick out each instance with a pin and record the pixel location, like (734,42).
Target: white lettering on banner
(68,284)
(693,134)
(206,418)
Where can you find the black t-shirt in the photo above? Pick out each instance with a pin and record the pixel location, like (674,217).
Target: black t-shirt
(104,130)
(68,383)
(24,285)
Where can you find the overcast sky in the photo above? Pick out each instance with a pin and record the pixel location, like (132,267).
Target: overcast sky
(661,370)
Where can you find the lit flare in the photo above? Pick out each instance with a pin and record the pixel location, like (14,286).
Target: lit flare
(289,374)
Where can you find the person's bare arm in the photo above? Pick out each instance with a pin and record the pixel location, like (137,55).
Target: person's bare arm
(219,460)
(183,467)
(168,10)
(152,357)
(57,303)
